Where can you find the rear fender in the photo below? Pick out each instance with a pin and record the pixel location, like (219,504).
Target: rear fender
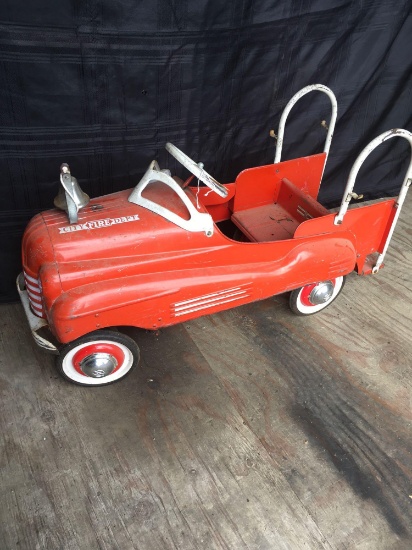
(368,226)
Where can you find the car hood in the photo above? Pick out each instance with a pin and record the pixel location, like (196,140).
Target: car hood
(110,226)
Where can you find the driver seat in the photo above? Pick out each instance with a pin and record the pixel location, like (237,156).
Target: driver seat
(278,220)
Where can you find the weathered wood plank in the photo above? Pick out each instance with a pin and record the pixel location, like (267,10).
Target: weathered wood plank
(249,429)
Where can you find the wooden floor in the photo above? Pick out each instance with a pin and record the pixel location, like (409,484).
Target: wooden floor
(251,429)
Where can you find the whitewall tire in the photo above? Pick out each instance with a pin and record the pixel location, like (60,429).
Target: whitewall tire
(99,358)
(315,297)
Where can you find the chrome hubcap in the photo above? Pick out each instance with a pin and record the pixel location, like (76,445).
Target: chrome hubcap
(98,365)
(321,293)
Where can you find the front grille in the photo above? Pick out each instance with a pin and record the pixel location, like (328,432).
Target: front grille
(34,293)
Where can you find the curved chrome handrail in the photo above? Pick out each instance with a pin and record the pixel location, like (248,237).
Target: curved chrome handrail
(295,99)
(349,194)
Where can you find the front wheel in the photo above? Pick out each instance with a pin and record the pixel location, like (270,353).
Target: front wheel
(99,358)
(315,297)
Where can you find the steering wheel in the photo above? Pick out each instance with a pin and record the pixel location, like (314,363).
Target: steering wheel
(197,170)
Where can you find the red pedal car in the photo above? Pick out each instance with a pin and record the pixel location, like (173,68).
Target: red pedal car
(166,252)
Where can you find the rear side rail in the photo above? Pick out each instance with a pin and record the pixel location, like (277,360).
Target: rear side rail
(349,194)
(295,99)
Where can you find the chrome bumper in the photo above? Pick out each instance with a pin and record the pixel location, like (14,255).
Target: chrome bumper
(35,323)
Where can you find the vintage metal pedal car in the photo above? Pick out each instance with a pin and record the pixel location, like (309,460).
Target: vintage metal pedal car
(166,252)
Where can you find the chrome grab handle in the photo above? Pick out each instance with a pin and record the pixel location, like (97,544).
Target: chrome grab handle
(295,99)
(198,221)
(349,194)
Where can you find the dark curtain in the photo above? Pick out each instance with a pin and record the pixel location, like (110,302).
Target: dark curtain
(103,84)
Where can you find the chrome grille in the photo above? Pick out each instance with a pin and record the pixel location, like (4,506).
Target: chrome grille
(34,293)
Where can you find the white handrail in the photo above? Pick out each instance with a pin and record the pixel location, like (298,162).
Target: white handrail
(287,109)
(349,194)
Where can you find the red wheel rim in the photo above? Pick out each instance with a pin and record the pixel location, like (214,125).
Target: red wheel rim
(306,292)
(98,347)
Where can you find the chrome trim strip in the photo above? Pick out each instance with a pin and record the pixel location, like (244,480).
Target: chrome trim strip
(209,305)
(37,309)
(33,288)
(34,297)
(206,296)
(213,301)
(31,279)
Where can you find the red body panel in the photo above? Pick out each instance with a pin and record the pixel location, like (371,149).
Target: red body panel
(368,224)
(124,265)
(259,186)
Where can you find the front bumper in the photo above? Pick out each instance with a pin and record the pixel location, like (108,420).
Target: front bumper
(37,324)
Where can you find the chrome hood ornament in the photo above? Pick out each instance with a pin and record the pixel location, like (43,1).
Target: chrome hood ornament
(70,197)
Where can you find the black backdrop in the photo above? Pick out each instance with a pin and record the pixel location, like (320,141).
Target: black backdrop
(103,84)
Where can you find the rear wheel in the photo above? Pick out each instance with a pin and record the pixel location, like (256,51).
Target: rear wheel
(315,297)
(99,358)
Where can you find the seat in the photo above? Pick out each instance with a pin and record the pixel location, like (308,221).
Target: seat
(279,220)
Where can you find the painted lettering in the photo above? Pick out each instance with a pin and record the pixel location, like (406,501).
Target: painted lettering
(96,224)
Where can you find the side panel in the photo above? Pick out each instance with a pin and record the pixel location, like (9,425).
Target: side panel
(230,276)
(369,226)
(258,186)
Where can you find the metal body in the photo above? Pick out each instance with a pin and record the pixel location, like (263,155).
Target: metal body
(124,263)
(155,256)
